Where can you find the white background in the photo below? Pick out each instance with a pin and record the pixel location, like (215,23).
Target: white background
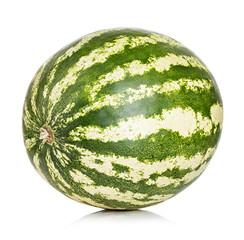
(211,208)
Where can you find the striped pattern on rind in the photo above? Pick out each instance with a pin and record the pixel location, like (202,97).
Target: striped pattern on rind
(135,117)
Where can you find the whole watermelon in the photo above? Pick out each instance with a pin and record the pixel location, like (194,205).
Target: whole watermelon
(122,119)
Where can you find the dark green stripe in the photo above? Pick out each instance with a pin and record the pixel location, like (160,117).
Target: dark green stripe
(165,144)
(149,106)
(40,103)
(36,118)
(153,77)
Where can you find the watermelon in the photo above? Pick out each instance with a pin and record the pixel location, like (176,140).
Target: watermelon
(122,119)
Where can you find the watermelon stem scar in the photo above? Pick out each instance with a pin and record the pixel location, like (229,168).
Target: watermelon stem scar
(46,134)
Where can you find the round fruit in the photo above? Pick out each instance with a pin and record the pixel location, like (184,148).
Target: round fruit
(122,119)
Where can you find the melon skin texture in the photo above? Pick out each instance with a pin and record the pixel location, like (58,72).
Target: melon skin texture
(122,119)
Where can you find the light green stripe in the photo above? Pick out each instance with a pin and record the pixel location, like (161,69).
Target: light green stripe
(62,157)
(133,198)
(30,143)
(79,177)
(28,120)
(184,121)
(216,112)
(136,67)
(139,170)
(55,174)
(165,39)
